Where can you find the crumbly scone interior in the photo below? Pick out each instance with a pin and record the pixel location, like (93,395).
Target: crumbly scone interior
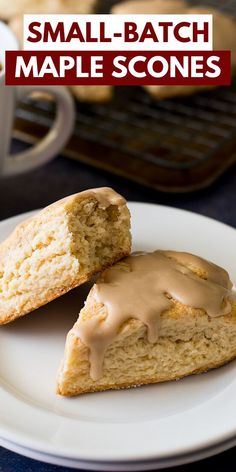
(96,233)
(42,252)
(63,248)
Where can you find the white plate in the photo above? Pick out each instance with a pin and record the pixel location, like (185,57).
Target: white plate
(134,429)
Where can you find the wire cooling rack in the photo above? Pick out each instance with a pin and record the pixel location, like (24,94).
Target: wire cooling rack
(174,145)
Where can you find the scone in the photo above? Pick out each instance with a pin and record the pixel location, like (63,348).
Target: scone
(84,93)
(150,318)
(92,93)
(224,33)
(14,12)
(8,9)
(60,248)
(151,7)
(104,93)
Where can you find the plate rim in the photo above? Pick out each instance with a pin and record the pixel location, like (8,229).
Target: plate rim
(121,466)
(51,450)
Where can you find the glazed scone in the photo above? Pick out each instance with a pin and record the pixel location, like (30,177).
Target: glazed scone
(150,318)
(60,248)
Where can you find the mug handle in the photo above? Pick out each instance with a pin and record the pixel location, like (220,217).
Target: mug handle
(54,140)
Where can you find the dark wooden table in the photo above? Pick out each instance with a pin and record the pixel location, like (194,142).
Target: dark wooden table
(62,177)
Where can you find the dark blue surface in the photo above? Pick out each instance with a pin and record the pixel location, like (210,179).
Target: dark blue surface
(10,462)
(62,177)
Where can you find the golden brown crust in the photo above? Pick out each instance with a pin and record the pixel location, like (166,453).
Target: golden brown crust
(189,342)
(102,388)
(61,247)
(56,207)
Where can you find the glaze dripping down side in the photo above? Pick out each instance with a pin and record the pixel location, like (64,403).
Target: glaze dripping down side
(143,286)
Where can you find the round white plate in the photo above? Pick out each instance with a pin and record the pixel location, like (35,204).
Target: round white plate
(143,428)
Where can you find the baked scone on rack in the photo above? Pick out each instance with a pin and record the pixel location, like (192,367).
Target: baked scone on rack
(150,318)
(224,31)
(61,247)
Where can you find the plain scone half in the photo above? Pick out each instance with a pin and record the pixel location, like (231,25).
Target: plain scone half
(61,247)
(150,318)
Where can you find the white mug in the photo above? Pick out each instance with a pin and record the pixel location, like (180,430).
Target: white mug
(57,136)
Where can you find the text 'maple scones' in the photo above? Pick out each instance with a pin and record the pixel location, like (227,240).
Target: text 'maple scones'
(61,247)
(150,318)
